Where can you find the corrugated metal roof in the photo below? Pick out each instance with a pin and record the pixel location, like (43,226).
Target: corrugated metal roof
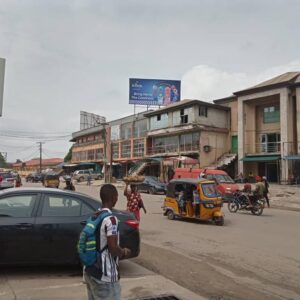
(281,80)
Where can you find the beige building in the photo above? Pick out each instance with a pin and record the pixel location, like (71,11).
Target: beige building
(266,118)
(190,128)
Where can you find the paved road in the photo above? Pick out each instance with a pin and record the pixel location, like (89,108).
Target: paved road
(249,258)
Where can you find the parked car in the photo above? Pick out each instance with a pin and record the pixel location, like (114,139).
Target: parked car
(82,175)
(34,177)
(152,185)
(7,180)
(42,226)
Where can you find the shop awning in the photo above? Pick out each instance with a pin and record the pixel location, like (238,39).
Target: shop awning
(292,157)
(261,158)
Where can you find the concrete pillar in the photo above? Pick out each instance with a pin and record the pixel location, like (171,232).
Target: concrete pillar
(298,118)
(284,132)
(241,125)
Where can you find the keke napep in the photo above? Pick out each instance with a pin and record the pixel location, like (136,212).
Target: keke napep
(194,199)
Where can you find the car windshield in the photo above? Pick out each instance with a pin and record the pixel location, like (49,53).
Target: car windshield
(152,178)
(221,178)
(210,190)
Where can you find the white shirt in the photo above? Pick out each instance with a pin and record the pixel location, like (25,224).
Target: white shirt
(110,264)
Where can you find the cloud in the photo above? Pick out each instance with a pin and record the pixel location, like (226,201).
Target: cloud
(207,83)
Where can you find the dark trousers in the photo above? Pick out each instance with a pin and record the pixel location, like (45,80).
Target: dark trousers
(197,210)
(267,199)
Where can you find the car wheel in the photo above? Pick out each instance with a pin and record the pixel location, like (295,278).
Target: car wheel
(170,215)
(99,177)
(81,179)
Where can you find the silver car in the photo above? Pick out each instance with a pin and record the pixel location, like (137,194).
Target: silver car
(7,180)
(82,175)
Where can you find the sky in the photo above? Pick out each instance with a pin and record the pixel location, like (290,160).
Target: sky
(66,56)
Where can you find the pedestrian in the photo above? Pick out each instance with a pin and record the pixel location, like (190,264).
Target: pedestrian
(266,190)
(18,181)
(251,177)
(196,202)
(134,201)
(102,279)
(89,180)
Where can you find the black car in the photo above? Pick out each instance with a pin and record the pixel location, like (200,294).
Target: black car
(42,226)
(151,185)
(35,177)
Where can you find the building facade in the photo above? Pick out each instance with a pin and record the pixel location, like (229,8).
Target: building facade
(268,127)
(189,128)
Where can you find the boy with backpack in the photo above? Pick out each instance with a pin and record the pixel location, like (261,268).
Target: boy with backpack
(99,249)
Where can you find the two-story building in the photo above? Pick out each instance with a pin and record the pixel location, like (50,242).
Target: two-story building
(89,146)
(190,128)
(268,127)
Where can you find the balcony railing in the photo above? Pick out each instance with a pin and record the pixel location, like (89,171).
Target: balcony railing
(262,148)
(164,149)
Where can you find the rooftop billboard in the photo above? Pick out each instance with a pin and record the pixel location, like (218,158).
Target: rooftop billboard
(153,91)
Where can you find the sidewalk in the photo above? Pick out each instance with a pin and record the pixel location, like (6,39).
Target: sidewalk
(137,283)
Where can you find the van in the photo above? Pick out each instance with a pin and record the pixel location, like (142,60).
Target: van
(225,184)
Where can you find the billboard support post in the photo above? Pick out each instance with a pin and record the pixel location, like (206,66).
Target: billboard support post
(2,72)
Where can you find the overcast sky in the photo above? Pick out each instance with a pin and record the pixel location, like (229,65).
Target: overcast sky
(66,56)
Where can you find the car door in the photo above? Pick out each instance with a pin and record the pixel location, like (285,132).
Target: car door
(60,220)
(17,232)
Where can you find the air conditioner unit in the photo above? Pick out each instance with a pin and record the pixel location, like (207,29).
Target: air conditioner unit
(206,148)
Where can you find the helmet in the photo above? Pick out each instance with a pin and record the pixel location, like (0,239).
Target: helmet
(264,178)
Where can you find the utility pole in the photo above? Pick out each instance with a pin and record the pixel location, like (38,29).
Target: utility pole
(40,147)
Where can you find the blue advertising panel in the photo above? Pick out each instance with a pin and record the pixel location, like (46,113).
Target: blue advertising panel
(153,91)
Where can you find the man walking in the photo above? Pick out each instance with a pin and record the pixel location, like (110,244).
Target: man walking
(102,279)
(266,190)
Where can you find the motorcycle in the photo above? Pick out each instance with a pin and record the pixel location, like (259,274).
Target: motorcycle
(248,202)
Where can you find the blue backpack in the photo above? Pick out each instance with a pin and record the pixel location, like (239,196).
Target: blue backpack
(87,244)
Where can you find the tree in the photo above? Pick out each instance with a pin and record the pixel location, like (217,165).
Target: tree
(18,161)
(68,157)
(3,163)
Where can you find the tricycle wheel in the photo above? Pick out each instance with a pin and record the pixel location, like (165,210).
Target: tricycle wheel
(219,221)
(233,206)
(170,215)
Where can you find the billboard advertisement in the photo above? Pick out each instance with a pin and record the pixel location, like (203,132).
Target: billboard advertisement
(2,71)
(89,120)
(153,91)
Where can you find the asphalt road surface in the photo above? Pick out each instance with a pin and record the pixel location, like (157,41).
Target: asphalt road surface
(250,257)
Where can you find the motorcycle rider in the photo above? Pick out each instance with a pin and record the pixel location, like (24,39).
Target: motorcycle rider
(69,185)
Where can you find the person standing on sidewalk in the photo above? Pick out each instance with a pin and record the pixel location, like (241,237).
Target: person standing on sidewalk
(102,279)
(134,201)
(89,180)
(266,190)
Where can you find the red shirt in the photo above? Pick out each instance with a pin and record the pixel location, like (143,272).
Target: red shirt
(133,201)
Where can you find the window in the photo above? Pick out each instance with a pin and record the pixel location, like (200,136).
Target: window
(271,114)
(184,118)
(99,153)
(202,111)
(126,131)
(86,210)
(158,117)
(138,148)
(209,190)
(140,128)
(126,149)
(189,141)
(115,132)
(115,150)
(165,144)
(61,206)
(17,206)
(91,154)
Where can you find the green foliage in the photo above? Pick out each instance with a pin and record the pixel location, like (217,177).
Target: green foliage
(68,157)
(3,163)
